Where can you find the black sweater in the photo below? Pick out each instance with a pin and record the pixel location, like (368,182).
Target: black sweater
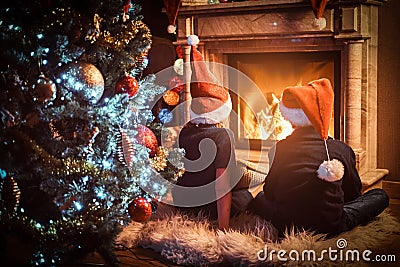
(296,194)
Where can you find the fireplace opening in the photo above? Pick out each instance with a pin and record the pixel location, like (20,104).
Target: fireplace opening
(272,72)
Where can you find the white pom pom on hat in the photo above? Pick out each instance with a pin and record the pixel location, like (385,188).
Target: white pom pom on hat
(331,170)
(171,29)
(320,23)
(318,8)
(315,102)
(193,40)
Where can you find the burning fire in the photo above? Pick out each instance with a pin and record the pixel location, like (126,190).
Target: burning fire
(268,123)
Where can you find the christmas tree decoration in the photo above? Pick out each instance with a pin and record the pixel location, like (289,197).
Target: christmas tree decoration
(3,174)
(143,59)
(127,6)
(165,115)
(179,51)
(125,150)
(89,135)
(10,194)
(83,80)
(43,90)
(147,138)
(171,98)
(127,85)
(68,203)
(95,33)
(176,84)
(70,129)
(32,119)
(66,142)
(119,38)
(178,66)
(179,173)
(140,209)
(159,161)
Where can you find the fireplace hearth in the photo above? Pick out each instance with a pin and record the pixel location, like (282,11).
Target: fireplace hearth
(282,34)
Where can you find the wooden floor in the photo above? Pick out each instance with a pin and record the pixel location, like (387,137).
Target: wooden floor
(147,257)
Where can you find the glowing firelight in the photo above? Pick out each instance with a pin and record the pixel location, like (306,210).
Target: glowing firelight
(269,123)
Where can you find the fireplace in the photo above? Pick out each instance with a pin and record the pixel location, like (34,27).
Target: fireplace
(276,44)
(272,72)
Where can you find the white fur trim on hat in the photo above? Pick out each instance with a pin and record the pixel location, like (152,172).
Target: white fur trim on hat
(331,170)
(295,116)
(218,115)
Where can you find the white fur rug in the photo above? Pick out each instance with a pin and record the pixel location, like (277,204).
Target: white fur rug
(196,242)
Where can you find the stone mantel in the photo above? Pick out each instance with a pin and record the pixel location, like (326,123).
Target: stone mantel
(288,26)
(266,18)
(249,6)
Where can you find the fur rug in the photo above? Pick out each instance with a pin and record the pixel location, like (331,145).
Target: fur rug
(197,242)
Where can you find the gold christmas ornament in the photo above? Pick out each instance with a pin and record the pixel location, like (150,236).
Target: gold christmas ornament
(83,80)
(171,97)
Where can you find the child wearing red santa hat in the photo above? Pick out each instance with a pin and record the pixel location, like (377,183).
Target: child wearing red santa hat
(209,148)
(313,183)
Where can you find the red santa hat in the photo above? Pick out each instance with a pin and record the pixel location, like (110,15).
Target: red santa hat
(211,102)
(312,105)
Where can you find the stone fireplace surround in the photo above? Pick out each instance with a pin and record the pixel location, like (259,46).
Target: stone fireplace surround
(287,26)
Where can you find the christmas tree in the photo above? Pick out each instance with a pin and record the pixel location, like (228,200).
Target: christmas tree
(78,140)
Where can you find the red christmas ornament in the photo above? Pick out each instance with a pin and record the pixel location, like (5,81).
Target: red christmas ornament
(139,209)
(176,84)
(127,85)
(148,139)
(179,51)
(127,6)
